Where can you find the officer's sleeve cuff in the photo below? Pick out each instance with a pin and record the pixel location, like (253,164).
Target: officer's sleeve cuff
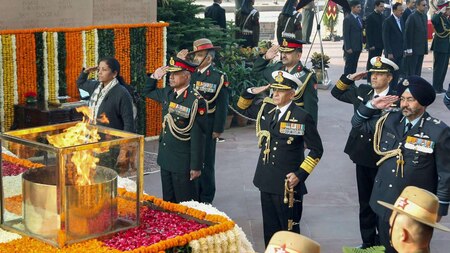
(309,164)
(245,100)
(443,209)
(366,112)
(343,83)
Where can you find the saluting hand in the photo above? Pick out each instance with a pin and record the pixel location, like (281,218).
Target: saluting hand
(357,76)
(89,70)
(183,54)
(272,52)
(383,102)
(292,180)
(257,90)
(160,72)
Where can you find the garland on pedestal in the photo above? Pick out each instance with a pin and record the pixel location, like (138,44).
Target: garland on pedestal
(48,62)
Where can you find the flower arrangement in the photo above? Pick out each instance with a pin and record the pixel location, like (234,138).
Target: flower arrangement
(30,97)
(317,58)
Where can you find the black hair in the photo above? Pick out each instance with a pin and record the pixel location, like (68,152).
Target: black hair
(419,1)
(378,2)
(396,5)
(114,65)
(354,3)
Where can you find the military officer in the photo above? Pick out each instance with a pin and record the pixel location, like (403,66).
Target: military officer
(289,22)
(414,147)
(283,129)
(212,85)
(441,45)
(366,168)
(247,20)
(181,142)
(291,52)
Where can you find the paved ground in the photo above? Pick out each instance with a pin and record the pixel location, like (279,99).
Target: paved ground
(330,208)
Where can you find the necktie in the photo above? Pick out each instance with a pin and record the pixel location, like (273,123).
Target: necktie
(274,121)
(375,96)
(359,21)
(408,127)
(399,25)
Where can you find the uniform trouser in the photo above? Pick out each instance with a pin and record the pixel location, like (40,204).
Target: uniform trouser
(365,177)
(351,62)
(372,53)
(307,23)
(177,187)
(276,214)
(384,235)
(414,64)
(440,67)
(207,180)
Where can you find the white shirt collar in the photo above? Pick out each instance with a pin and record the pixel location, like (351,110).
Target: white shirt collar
(204,69)
(414,122)
(181,90)
(381,94)
(283,110)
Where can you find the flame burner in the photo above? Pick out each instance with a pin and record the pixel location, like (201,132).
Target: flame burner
(91,209)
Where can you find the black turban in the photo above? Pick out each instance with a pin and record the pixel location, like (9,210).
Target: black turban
(420,89)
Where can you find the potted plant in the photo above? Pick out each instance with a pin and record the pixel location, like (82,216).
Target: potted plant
(30,98)
(320,62)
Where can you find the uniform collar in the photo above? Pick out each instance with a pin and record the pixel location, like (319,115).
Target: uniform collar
(181,90)
(283,109)
(204,69)
(381,94)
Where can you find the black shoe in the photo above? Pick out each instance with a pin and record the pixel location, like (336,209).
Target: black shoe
(440,91)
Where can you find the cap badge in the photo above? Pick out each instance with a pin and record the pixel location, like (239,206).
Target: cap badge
(378,62)
(285,43)
(279,78)
(405,82)
(172,61)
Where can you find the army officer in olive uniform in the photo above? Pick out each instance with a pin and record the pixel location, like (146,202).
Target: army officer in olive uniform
(414,147)
(181,142)
(212,85)
(283,129)
(291,52)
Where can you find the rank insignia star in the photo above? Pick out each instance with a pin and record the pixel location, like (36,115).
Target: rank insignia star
(402,203)
(281,249)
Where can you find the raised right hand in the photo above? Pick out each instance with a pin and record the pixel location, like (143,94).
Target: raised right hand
(182,54)
(384,102)
(257,90)
(272,52)
(89,70)
(160,72)
(357,76)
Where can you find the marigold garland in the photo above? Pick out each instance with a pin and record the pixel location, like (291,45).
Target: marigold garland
(73,67)
(122,51)
(22,162)
(64,60)
(26,65)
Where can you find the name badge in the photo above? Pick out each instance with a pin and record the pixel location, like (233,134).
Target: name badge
(292,128)
(206,87)
(179,110)
(419,144)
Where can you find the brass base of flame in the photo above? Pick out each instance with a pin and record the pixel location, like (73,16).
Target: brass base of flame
(90,209)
